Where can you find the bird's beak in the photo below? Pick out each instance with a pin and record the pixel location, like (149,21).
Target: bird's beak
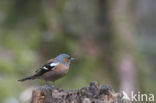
(72,59)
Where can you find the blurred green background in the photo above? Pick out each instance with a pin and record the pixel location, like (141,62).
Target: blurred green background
(113,41)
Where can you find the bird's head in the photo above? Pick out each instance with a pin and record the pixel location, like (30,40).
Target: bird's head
(65,58)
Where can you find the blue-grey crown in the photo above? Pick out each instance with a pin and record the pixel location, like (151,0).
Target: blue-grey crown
(62,56)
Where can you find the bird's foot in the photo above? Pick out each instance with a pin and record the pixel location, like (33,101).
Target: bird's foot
(49,86)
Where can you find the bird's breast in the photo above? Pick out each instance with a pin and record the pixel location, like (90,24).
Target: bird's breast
(57,73)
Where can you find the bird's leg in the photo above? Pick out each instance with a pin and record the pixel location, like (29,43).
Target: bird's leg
(46,82)
(49,85)
(54,83)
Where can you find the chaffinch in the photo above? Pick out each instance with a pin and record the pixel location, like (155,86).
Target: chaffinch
(53,70)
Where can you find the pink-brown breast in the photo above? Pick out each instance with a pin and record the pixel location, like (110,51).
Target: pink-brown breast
(57,73)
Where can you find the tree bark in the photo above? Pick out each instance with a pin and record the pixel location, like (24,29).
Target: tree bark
(91,94)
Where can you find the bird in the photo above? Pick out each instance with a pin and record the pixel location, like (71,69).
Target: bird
(53,70)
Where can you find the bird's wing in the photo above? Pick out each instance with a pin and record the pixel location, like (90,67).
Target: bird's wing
(47,67)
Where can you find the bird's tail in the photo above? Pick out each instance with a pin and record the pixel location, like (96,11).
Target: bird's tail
(28,78)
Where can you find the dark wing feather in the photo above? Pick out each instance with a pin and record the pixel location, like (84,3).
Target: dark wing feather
(47,67)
